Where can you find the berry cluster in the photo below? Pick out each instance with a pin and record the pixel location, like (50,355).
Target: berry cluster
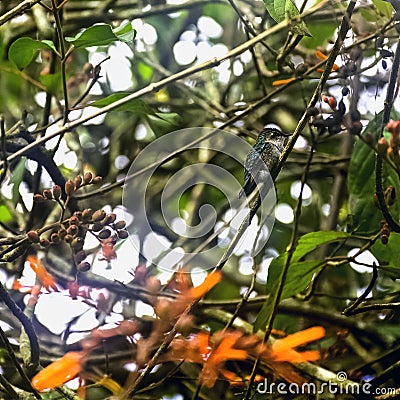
(338,119)
(73,230)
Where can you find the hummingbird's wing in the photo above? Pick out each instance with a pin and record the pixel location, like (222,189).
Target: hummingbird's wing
(253,166)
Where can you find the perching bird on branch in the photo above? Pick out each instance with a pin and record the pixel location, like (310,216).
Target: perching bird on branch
(262,158)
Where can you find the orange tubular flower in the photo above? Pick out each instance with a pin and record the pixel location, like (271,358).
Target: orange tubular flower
(60,371)
(45,278)
(323,57)
(281,82)
(210,281)
(283,349)
(215,358)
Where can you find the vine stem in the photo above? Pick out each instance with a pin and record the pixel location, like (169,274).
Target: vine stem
(394,226)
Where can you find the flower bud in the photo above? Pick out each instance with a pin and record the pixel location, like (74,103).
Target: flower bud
(62,233)
(97,180)
(48,194)
(382,146)
(98,215)
(104,234)
(87,178)
(123,234)
(109,219)
(97,226)
(33,237)
(69,188)
(38,198)
(74,220)
(56,191)
(68,238)
(120,225)
(77,244)
(78,181)
(44,242)
(54,238)
(72,230)
(301,69)
(87,213)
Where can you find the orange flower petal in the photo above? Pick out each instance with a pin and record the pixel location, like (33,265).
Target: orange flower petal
(202,340)
(320,55)
(299,338)
(281,82)
(210,281)
(59,372)
(296,357)
(45,278)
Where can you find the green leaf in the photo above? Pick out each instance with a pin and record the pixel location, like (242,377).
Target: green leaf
(53,82)
(125,33)
(136,105)
(300,272)
(321,32)
(145,71)
(25,49)
(388,254)
(102,35)
(282,9)
(298,278)
(160,123)
(5,215)
(163,123)
(16,179)
(310,241)
(361,182)
(384,8)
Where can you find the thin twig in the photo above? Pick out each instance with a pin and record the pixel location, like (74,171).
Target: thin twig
(394,226)
(350,309)
(26,323)
(18,10)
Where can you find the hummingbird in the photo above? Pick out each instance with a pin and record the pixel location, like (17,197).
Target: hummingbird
(262,158)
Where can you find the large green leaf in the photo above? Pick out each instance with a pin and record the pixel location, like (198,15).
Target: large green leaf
(160,123)
(300,272)
(361,182)
(102,35)
(53,82)
(309,242)
(388,254)
(298,278)
(25,49)
(282,9)
(136,105)
(163,123)
(321,32)
(385,8)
